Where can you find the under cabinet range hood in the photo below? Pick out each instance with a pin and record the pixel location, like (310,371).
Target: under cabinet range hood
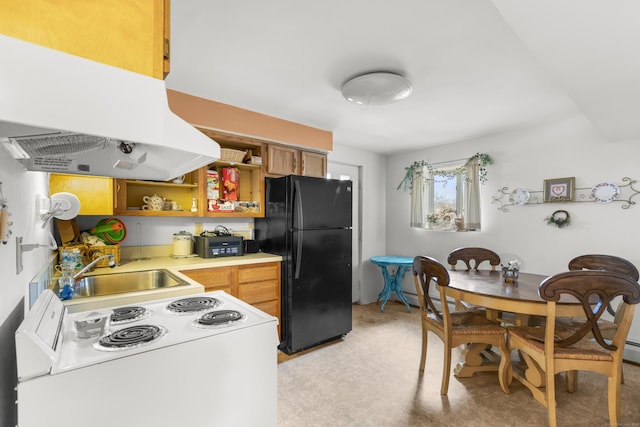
(66,114)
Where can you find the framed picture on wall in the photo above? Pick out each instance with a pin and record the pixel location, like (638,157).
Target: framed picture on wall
(559,189)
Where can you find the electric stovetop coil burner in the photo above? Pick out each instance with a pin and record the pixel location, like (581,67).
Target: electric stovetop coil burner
(131,337)
(129,314)
(192,305)
(220,318)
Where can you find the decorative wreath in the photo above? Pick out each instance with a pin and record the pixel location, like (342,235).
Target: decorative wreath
(559,219)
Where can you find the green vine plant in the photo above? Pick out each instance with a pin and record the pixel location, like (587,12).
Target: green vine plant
(483,160)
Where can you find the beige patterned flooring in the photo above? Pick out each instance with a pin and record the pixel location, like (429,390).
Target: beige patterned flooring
(371,378)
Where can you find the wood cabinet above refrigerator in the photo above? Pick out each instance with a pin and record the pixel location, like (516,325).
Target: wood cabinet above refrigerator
(285,160)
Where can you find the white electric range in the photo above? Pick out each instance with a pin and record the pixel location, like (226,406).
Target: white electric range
(206,359)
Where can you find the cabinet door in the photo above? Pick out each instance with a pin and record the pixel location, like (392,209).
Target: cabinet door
(95,193)
(214,279)
(313,164)
(132,35)
(282,160)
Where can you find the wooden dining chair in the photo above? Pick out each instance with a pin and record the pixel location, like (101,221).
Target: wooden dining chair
(608,263)
(453,328)
(473,257)
(557,350)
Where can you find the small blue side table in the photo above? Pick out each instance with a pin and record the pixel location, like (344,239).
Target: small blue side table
(392,282)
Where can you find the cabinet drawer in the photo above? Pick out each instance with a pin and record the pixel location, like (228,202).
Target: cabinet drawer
(257,272)
(212,277)
(269,307)
(259,291)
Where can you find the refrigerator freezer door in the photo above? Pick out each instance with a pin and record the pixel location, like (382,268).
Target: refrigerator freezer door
(317,291)
(320,203)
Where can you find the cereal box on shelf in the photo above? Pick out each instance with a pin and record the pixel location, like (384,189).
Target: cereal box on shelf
(213,187)
(230,183)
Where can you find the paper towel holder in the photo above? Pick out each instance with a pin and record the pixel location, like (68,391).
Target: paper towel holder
(61,205)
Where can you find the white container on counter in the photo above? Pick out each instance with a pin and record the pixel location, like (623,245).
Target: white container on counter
(182,245)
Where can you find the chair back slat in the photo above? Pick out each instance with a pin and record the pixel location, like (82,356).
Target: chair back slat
(594,289)
(473,257)
(427,270)
(608,263)
(604,262)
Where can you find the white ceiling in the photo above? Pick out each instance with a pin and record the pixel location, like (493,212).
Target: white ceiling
(477,67)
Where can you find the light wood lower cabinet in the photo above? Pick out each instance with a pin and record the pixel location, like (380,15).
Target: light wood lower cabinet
(215,279)
(257,284)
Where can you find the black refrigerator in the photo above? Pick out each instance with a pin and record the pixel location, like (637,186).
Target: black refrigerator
(308,222)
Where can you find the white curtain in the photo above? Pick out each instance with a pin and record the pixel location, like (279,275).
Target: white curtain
(417,198)
(472,198)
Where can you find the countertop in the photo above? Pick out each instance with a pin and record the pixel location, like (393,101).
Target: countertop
(174,265)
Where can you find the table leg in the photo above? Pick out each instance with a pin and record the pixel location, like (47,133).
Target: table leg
(476,357)
(398,285)
(393,282)
(386,289)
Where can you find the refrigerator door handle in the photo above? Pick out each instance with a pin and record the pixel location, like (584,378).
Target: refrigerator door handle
(299,215)
(297,197)
(298,259)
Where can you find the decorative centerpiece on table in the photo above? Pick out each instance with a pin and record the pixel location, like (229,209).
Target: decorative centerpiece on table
(511,271)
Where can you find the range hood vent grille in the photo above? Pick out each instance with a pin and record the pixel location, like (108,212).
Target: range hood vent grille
(59,144)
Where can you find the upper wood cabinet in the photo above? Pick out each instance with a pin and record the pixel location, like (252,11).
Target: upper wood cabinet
(94,192)
(286,160)
(107,196)
(313,164)
(131,34)
(248,189)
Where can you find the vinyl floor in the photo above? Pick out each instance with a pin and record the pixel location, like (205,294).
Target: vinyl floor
(370,378)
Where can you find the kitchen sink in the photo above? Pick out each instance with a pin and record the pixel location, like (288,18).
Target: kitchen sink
(117,283)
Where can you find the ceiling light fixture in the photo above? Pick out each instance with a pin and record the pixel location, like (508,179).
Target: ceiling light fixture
(379,88)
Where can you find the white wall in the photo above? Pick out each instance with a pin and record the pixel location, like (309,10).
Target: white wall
(20,188)
(373,194)
(525,159)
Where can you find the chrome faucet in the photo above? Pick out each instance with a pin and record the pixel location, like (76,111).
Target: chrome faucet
(87,267)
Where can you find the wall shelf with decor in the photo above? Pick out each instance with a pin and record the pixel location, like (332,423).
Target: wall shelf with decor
(602,193)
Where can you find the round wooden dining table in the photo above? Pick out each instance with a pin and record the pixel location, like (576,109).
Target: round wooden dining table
(487,288)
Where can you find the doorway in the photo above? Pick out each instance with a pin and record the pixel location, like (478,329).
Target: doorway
(350,172)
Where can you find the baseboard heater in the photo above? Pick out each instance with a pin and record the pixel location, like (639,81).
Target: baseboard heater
(632,352)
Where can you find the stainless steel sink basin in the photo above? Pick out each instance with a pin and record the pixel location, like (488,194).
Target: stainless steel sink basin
(117,283)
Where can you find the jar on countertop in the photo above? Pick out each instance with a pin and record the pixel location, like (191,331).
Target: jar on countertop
(182,244)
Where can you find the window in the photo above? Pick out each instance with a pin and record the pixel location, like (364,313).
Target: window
(446,194)
(447,198)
